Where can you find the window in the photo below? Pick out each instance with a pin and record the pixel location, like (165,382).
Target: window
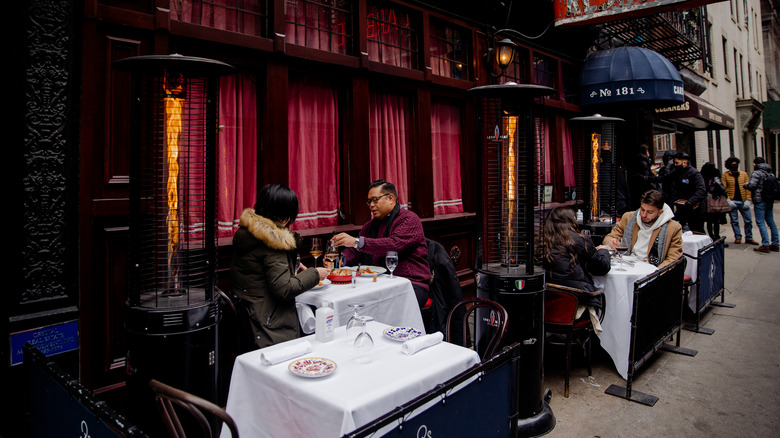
(392,36)
(732,8)
(450,52)
(571,82)
(319,24)
(313,159)
(741,76)
(750,79)
(237,139)
(445,143)
(390,133)
(545,71)
(251,18)
(736,71)
(725,58)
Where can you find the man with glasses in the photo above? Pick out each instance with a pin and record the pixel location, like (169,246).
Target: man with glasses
(390,229)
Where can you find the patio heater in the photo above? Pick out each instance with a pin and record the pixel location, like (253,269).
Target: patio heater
(173,306)
(509,259)
(598,174)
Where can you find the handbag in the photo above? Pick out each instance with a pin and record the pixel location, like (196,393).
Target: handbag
(717,204)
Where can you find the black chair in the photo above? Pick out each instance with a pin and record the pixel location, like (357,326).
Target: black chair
(560,309)
(464,314)
(168,398)
(444,291)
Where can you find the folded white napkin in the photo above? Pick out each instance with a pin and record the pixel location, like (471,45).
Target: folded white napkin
(306,318)
(421,342)
(276,355)
(688,234)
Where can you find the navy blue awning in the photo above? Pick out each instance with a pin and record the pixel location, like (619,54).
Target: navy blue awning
(629,74)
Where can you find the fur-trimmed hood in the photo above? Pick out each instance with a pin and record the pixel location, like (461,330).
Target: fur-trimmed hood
(268,232)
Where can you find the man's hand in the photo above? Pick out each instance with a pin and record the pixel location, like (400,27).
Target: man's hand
(343,239)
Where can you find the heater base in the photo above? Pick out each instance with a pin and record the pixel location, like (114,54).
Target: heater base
(538,425)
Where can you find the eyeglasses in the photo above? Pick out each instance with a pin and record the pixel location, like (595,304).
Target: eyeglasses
(375,199)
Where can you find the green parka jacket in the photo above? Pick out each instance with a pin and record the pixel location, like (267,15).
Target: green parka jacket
(262,276)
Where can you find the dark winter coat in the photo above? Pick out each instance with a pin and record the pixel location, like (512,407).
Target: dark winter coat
(588,262)
(760,173)
(262,275)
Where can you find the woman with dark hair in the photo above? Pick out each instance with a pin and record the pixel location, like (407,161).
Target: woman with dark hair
(715,186)
(570,259)
(262,274)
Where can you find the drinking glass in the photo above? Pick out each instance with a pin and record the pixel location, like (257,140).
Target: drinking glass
(297,263)
(620,251)
(364,343)
(391,260)
(353,325)
(316,249)
(331,255)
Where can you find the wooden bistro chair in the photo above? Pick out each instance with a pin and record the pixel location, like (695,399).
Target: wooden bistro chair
(464,311)
(560,309)
(170,399)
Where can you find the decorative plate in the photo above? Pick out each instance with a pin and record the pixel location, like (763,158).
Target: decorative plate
(341,275)
(401,334)
(312,367)
(371,270)
(321,284)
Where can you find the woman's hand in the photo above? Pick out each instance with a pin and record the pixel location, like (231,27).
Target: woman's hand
(323,273)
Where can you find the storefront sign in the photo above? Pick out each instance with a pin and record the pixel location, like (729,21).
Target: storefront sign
(598,11)
(53,339)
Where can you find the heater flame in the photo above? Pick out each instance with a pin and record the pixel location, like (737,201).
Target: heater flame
(510,187)
(594,160)
(174,105)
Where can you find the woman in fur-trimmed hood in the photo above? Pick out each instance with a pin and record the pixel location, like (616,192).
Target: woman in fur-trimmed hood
(262,274)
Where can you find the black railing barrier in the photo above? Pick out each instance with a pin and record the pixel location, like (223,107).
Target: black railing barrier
(59,406)
(710,282)
(655,319)
(484,397)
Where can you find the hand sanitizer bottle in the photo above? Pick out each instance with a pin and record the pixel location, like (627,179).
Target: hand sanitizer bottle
(579,216)
(325,323)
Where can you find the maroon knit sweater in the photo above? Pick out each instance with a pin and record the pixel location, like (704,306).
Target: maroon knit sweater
(407,238)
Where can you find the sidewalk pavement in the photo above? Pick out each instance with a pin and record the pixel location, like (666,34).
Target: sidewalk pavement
(731,388)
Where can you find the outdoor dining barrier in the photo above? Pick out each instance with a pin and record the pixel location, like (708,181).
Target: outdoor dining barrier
(709,283)
(485,396)
(60,406)
(656,317)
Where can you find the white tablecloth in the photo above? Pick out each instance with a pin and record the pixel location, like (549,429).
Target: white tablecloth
(618,289)
(390,301)
(270,401)
(691,246)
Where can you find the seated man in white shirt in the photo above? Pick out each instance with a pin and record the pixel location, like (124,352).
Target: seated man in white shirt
(650,233)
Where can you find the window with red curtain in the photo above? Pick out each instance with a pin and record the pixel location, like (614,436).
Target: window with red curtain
(243,16)
(319,24)
(389,140)
(445,142)
(449,51)
(237,152)
(312,124)
(392,36)
(568,158)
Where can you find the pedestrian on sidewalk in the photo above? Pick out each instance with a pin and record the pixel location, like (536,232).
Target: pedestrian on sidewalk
(762,207)
(733,180)
(714,186)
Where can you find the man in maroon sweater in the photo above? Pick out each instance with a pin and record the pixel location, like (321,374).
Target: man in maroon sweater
(390,229)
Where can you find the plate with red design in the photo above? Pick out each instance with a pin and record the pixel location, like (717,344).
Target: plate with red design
(312,367)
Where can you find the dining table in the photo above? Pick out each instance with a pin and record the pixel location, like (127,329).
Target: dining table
(618,287)
(278,401)
(388,300)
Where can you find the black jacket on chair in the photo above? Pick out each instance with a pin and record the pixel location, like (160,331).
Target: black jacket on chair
(445,289)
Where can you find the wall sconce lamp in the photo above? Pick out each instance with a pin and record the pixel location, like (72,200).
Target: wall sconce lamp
(505,53)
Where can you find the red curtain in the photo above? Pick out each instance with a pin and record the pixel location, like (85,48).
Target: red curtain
(314,25)
(313,163)
(568,158)
(241,16)
(390,37)
(237,153)
(445,139)
(543,136)
(389,132)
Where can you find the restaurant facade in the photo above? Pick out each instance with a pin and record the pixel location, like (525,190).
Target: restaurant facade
(326,97)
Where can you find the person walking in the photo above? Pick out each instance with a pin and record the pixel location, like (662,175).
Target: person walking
(733,180)
(763,207)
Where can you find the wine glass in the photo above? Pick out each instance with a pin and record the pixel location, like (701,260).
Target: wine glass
(620,251)
(331,255)
(364,343)
(354,324)
(391,260)
(316,249)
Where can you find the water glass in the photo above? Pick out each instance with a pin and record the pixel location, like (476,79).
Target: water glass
(353,325)
(391,260)
(364,343)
